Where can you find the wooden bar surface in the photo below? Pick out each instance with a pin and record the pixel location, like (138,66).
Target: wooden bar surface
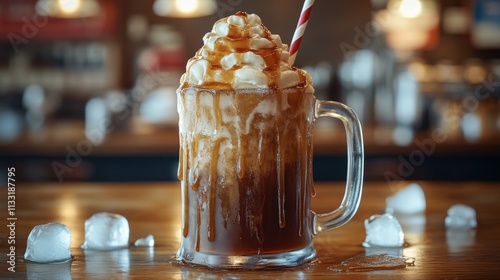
(154,208)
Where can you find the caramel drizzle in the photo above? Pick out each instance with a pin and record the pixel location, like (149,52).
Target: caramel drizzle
(185,191)
(180,169)
(213,173)
(213,189)
(182,175)
(196,178)
(194,147)
(218,113)
(198,225)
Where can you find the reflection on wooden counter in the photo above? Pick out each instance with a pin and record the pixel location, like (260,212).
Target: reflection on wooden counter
(154,208)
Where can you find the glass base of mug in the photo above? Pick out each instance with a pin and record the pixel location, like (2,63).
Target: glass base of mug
(264,261)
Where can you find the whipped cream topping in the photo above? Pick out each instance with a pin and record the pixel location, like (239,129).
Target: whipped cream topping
(241,53)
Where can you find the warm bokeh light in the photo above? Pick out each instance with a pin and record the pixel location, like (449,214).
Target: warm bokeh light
(69,6)
(410,8)
(186,6)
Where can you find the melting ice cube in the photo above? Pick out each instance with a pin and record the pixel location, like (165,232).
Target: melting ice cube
(409,200)
(461,217)
(383,231)
(148,241)
(106,231)
(48,243)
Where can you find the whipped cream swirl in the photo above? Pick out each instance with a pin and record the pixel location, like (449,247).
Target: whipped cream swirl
(241,53)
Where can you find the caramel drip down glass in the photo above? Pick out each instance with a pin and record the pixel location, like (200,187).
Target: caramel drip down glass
(245,166)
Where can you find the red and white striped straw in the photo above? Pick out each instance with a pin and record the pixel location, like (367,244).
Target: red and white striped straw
(299,31)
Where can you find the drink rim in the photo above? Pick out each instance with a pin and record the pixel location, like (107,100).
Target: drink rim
(246,90)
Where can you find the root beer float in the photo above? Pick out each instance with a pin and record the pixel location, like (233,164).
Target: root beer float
(245,157)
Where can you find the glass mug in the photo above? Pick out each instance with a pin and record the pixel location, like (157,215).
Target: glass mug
(245,166)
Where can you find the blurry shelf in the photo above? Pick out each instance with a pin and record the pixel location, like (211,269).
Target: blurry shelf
(59,138)
(379,142)
(20,18)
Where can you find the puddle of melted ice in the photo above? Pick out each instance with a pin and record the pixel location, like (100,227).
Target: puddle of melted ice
(373,262)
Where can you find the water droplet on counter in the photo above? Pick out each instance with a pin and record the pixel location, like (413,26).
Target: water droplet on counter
(373,262)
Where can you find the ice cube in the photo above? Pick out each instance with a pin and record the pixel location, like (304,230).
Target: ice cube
(48,243)
(106,231)
(148,241)
(383,231)
(409,200)
(461,217)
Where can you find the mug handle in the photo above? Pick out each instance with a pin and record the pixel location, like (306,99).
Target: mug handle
(355,166)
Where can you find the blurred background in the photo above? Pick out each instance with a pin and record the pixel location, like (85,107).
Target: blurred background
(87,87)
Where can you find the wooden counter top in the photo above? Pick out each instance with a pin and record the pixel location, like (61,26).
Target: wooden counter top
(154,208)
